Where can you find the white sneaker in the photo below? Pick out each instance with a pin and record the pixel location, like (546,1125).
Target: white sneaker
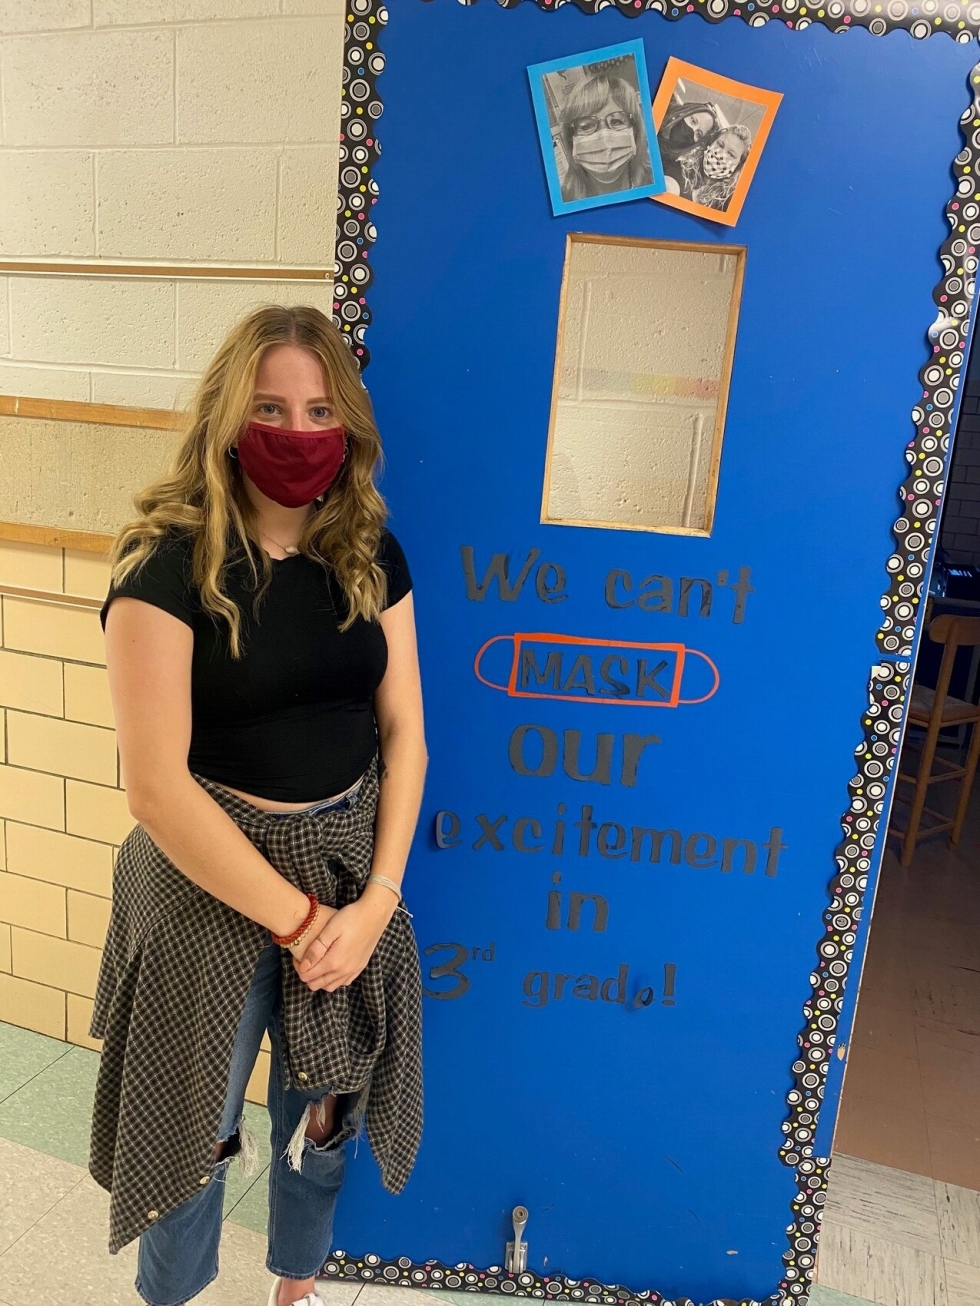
(311,1298)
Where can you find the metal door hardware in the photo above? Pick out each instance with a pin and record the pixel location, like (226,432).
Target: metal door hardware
(515,1261)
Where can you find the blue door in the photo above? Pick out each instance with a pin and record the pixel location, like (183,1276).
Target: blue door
(619,907)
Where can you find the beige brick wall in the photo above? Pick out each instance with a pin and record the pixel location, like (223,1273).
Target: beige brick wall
(130,131)
(63,812)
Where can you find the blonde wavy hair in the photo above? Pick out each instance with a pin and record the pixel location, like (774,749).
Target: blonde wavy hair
(204,496)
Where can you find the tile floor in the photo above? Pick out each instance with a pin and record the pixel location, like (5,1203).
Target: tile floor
(897,1238)
(890,1237)
(902,1222)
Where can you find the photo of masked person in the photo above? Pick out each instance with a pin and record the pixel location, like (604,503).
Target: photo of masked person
(261,651)
(603,139)
(685,127)
(709,173)
(711,134)
(595,126)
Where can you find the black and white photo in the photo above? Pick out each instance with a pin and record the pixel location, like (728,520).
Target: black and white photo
(595,127)
(710,131)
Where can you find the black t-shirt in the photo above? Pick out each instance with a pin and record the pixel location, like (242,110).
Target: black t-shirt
(293,719)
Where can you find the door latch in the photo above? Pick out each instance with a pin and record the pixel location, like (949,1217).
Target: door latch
(515,1261)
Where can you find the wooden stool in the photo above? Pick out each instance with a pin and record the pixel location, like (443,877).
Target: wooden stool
(935,709)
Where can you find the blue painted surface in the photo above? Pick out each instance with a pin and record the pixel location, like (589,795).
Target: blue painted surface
(643,1140)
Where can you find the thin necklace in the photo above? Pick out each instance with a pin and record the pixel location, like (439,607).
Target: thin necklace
(286,548)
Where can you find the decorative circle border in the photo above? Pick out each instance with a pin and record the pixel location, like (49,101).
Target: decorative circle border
(921,494)
(957,19)
(357,191)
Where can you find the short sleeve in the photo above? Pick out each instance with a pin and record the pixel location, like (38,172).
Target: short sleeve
(392,558)
(163,580)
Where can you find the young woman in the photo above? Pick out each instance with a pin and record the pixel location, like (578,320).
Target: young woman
(710,173)
(603,138)
(262,660)
(685,125)
(721,163)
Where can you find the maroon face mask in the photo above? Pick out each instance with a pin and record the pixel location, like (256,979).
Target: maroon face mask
(291,467)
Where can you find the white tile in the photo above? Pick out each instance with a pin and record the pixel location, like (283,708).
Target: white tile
(48,205)
(462,1298)
(831,1297)
(260,81)
(43,382)
(81,320)
(959,1223)
(42,15)
(386,1294)
(962,1284)
(209,204)
(308,205)
(142,389)
(74,1234)
(32,1184)
(876,1269)
(339,1292)
(89,89)
(887,1203)
(206,311)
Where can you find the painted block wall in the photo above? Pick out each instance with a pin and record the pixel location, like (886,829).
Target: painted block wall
(76,475)
(63,810)
(190,131)
(138,131)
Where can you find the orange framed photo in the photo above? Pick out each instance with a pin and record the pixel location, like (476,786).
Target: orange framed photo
(711,131)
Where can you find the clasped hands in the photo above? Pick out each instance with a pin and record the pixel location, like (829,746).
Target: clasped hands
(341,942)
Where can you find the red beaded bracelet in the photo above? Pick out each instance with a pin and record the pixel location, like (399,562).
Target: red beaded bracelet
(287,940)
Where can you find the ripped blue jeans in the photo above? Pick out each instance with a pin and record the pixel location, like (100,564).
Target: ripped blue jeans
(178,1256)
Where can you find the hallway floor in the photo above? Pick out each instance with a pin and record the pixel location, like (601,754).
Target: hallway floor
(902,1222)
(52,1213)
(902,1227)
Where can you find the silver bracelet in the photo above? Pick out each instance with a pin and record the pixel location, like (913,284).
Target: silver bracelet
(388,884)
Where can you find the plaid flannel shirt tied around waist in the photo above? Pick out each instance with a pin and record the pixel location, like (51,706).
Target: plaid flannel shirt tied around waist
(175,973)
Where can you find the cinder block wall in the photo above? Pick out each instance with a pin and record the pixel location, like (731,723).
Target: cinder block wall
(77,475)
(63,811)
(132,132)
(159,131)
